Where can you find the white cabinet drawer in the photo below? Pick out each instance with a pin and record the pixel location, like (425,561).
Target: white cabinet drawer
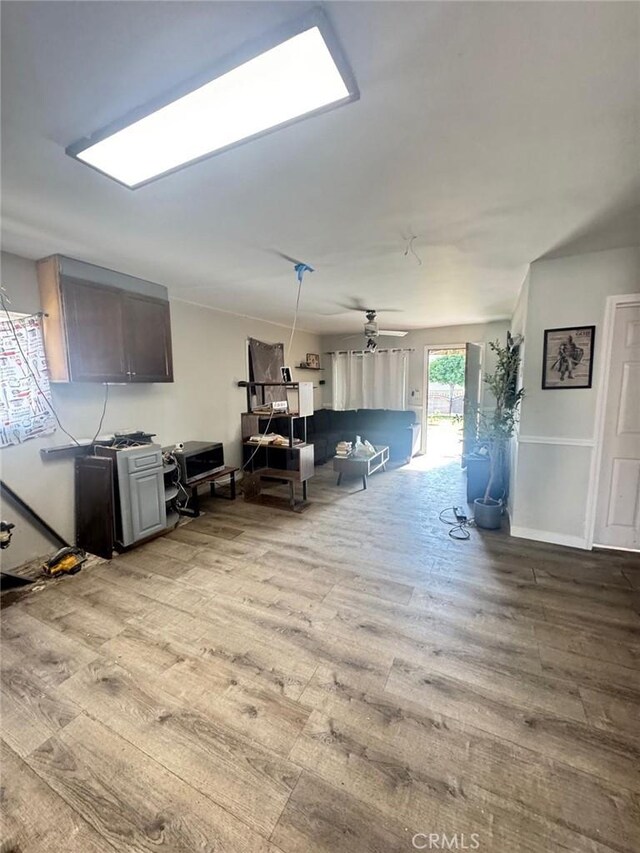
(144,461)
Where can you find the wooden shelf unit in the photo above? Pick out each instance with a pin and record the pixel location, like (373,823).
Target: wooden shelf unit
(291,462)
(253,424)
(302,393)
(296,461)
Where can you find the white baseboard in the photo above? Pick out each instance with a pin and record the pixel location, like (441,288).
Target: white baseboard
(616,548)
(550,536)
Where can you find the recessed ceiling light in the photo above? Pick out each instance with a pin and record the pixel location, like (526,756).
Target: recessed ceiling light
(297,77)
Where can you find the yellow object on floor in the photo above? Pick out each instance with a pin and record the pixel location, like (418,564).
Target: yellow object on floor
(65,561)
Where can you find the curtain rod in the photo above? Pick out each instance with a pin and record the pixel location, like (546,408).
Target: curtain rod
(368,352)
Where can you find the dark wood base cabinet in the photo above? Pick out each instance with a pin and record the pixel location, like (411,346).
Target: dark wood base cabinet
(120,498)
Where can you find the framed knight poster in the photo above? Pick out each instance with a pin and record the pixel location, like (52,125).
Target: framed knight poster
(567,360)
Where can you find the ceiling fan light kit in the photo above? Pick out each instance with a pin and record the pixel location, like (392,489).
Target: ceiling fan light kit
(372,331)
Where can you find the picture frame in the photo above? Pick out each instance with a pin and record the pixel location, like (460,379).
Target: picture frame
(313,360)
(286,374)
(567,358)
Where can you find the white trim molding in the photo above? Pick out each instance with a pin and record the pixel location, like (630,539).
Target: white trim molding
(550,536)
(616,548)
(556,439)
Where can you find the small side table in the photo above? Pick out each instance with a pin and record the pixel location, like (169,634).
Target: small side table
(194,500)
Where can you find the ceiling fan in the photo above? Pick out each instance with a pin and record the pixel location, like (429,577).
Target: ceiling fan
(372,331)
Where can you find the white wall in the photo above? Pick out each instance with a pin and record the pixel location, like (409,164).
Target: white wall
(557,427)
(417,340)
(203,403)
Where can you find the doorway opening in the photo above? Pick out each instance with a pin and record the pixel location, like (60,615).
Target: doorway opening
(444,395)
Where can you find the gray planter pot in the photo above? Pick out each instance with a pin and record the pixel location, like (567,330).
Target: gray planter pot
(487,515)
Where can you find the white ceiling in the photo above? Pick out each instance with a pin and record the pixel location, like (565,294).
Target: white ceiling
(494,131)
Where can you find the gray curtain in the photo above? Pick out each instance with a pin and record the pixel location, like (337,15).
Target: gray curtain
(265,361)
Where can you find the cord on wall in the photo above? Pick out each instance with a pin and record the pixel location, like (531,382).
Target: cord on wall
(300,270)
(295,322)
(104,410)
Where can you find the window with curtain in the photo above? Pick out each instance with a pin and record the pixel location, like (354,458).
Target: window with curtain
(363,380)
(24,383)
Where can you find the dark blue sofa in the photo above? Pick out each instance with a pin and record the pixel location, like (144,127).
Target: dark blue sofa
(397,429)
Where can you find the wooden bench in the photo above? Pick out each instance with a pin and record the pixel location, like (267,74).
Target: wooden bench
(194,500)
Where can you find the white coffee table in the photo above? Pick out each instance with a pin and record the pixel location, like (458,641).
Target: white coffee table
(359,466)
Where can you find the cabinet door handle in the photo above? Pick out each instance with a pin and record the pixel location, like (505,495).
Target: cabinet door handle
(133,373)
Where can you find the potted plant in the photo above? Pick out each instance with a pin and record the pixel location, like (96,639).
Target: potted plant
(496,428)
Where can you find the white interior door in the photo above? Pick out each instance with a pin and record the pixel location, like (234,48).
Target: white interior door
(618,507)
(472,385)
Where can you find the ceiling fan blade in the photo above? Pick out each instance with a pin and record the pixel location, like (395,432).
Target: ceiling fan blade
(352,305)
(285,257)
(359,305)
(391,333)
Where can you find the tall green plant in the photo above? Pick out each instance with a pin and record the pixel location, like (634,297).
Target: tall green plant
(496,428)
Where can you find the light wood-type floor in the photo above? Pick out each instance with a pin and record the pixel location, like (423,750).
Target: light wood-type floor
(339,680)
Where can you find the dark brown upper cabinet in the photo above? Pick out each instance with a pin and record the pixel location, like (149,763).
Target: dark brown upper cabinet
(148,334)
(97,332)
